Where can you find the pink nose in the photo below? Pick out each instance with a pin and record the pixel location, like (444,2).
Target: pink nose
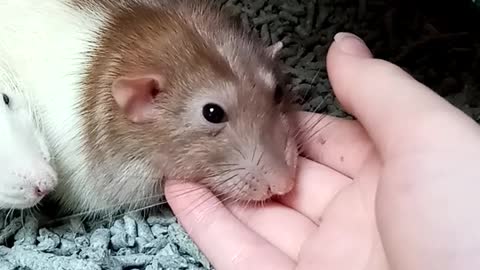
(281,186)
(41,191)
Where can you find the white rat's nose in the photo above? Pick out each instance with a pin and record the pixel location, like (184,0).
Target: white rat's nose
(26,186)
(43,181)
(42,190)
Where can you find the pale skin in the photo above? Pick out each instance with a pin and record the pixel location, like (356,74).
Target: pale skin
(398,188)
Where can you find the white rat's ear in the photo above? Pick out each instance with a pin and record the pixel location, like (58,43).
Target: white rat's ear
(274,49)
(135,95)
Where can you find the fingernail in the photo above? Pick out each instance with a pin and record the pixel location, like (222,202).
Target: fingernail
(351,44)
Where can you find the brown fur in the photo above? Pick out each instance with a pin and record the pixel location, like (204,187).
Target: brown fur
(202,53)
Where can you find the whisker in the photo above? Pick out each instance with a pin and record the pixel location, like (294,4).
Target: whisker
(260,158)
(184,192)
(308,129)
(22,217)
(9,215)
(194,206)
(235,195)
(226,171)
(137,210)
(312,136)
(313,125)
(226,164)
(311,83)
(223,200)
(177,195)
(222,182)
(168,110)
(307,122)
(103,209)
(239,151)
(299,130)
(116,207)
(316,109)
(239,187)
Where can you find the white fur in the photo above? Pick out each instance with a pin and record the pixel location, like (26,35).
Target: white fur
(26,174)
(47,42)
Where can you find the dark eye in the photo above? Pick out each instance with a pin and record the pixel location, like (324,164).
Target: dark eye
(213,113)
(278,95)
(6,99)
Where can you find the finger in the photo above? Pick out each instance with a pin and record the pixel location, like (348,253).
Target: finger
(315,188)
(282,226)
(224,240)
(288,227)
(348,226)
(389,102)
(339,143)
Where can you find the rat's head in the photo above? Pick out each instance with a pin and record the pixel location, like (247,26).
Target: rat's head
(237,133)
(24,157)
(208,99)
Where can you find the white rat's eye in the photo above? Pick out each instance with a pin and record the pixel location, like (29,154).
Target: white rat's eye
(6,99)
(213,113)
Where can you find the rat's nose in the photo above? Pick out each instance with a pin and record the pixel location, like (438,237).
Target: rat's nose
(281,186)
(45,184)
(41,190)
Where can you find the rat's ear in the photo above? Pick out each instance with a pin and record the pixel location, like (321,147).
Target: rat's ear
(135,95)
(274,49)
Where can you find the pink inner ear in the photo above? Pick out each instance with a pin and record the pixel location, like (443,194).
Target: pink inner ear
(135,95)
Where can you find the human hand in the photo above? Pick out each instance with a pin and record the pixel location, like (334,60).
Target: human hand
(391,190)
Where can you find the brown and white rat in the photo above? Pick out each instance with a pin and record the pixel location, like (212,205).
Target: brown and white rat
(133,92)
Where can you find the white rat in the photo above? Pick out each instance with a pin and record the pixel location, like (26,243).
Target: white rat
(26,175)
(133,92)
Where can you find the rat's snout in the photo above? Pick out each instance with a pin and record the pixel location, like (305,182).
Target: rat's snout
(44,184)
(40,179)
(46,181)
(279,182)
(265,185)
(281,186)
(41,191)
(266,181)
(25,186)
(279,169)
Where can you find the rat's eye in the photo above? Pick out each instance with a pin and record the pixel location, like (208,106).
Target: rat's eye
(213,113)
(6,99)
(278,95)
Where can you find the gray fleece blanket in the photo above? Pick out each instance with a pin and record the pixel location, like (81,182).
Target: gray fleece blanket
(157,241)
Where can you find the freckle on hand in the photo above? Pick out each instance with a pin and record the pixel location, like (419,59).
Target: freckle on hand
(342,158)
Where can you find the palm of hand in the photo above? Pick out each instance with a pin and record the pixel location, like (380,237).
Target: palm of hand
(328,220)
(332,204)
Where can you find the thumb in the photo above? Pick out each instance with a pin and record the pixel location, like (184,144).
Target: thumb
(391,105)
